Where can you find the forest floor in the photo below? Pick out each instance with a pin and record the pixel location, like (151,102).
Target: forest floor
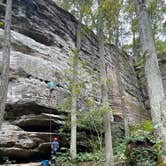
(79,164)
(90,163)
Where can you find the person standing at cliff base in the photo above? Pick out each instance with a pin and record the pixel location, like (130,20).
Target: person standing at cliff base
(54,146)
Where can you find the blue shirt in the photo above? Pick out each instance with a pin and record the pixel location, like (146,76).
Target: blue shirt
(51,84)
(55,145)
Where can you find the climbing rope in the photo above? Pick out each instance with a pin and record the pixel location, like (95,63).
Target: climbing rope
(50,119)
(50,124)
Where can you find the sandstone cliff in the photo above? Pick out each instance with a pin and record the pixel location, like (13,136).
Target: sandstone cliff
(43,37)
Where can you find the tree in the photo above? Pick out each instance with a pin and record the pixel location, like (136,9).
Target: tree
(122,95)
(104,90)
(79,9)
(113,16)
(73,143)
(115,13)
(5,60)
(152,71)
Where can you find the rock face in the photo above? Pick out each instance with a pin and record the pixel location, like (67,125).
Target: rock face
(43,39)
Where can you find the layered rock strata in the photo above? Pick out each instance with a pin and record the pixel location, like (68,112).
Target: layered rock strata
(43,39)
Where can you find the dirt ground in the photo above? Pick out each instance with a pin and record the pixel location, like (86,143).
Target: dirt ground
(38,164)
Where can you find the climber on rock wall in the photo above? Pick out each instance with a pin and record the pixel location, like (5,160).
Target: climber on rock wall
(52,86)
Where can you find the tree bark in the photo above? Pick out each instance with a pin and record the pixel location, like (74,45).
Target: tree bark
(120,85)
(5,60)
(152,71)
(104,94)
(117,25)
(73,142)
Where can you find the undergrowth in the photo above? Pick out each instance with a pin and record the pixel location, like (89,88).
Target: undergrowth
(64,159)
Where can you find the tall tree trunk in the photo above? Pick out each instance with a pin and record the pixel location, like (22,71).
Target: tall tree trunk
(117,33)
(5,60)
(152,71)
(104,94)
(73,142)
(120,85)
(134,45)
(117,25)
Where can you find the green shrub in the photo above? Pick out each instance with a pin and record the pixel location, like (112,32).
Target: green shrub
(1,24)
(120,150)
(64,159)
(97,156)
(142,156)
(140,145)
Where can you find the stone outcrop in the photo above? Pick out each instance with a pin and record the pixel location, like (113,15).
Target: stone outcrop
(43,39)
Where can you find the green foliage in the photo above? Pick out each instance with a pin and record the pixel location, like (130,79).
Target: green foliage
(142,137)
(76,88)
(160,46)
(141,145)
(129,9)
(64,159)
(89,102)
(86,7)
(1,24)
(143,152)
(156,12)
(97,156)
(105,108)
(76,7)
(134,25)
(91,118)
(143,156)
(120,150)
(148,125)
(144,127)
(139,149)
(65,105)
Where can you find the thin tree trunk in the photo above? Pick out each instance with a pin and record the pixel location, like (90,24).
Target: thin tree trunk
(5,60)
(117,34)
(120,85)
(117,26)
(134,45)
(152,71)
(73,143)
(104,92)
(97,132)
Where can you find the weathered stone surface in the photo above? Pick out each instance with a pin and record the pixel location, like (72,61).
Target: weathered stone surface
(43,38)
